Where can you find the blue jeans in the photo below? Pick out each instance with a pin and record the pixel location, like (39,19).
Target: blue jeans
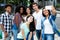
(20,39)
(38,34)
(49,37)
(15,32)
(28,36)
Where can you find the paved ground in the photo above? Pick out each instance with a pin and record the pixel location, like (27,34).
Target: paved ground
(56,38)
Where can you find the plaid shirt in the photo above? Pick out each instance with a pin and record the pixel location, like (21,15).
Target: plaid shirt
(6,20)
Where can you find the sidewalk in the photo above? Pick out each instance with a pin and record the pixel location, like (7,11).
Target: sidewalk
(56,38)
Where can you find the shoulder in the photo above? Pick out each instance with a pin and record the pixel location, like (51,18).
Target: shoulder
(23,25)
(16,14)
(3,14)
(40,11)
(43,19)
(34,13)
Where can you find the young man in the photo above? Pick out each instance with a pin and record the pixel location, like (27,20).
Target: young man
(6,22)
(38,16)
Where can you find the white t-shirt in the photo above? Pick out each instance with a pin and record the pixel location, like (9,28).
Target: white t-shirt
(48,27)
(24,17)
(37,17)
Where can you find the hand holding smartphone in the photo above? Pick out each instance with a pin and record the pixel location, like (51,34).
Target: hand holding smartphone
(48,7)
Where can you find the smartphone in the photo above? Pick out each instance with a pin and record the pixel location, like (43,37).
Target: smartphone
(48,7)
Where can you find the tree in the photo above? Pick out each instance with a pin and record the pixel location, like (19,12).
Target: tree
(1,1)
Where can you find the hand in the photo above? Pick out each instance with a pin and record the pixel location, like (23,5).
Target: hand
(53,10)
(40,38)
(34,32)
(5,34)
(24,38)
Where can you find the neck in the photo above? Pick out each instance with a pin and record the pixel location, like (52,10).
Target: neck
(7,12)
(27,23)
(47,17)
(28,14)
(37,10)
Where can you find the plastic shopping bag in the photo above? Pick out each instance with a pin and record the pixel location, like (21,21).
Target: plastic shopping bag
(0,34)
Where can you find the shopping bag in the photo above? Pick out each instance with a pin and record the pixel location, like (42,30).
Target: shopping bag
(0,34)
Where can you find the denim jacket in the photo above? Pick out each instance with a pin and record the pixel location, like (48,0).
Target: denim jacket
(51,19)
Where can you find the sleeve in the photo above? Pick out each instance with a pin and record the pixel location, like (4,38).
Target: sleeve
(16,18)
(42,31)
(1,19)
(56,29)
(22,26)
(42,23)
(53,17)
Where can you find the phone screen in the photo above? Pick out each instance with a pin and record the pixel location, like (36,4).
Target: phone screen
(48,7)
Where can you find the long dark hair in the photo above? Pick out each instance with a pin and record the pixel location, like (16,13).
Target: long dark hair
(44,14)
(32,24)
(29,9)
(18,9)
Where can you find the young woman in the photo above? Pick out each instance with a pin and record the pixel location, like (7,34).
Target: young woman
(18,20)
(32,27)
(22,35)
(28,12)
(49,27)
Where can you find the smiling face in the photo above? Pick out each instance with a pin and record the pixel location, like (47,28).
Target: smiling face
(28,10)
(30,19)
(45,12)
(21,10)
(35,6)
(8,9)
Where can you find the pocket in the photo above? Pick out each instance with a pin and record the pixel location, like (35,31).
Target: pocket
(14,26)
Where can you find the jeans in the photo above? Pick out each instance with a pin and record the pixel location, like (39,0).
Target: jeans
(20,39)
(15,32)
(38,34)
(49,37)
(28,36)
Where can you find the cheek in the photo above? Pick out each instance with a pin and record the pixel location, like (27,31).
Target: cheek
(21,11)
(33,7)
(28,11)
(31,19)
(9,10)
(47,13)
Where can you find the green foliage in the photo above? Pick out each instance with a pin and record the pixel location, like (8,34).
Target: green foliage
(58,6)
(12,1)
(1,1)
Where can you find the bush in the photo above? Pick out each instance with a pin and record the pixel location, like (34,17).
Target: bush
(1,10)
(58,5)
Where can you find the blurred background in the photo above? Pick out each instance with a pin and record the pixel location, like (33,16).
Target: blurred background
(25,3)
(41,3)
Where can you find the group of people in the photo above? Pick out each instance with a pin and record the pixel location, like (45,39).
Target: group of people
(27,23)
